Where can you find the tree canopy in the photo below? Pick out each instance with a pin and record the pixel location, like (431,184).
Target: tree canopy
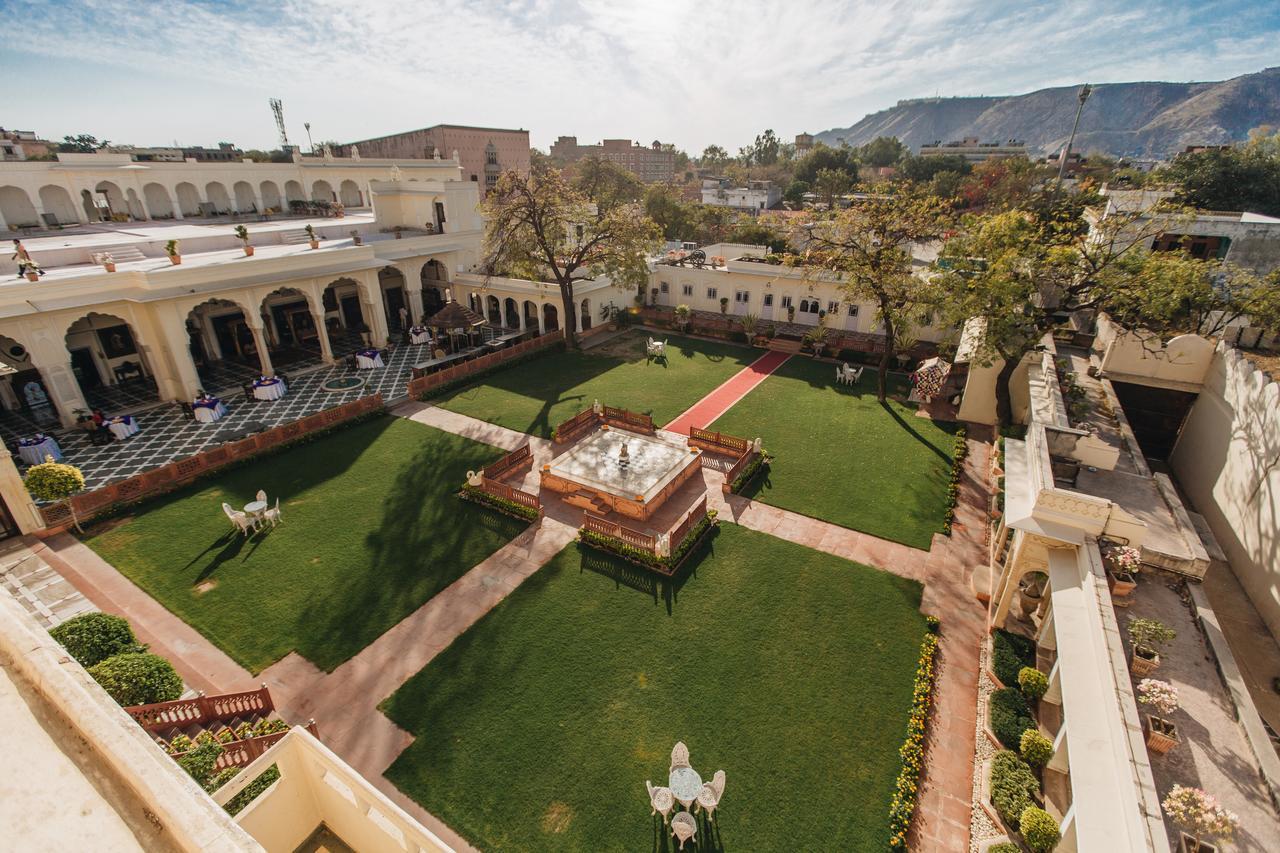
(1245,178)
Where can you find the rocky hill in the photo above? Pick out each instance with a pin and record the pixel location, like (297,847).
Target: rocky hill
(1134,119)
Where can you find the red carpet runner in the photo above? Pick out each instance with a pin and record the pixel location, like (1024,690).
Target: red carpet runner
(704,412)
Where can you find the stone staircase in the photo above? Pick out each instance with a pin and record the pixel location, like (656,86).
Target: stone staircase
(781,345)
(588,501)
(244,723)
(293,238)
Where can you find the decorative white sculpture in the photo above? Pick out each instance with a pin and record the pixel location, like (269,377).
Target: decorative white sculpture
(455,156)
(664,545)
(355,152)
(474,478)
(597,408)
(756,445)
(395,173)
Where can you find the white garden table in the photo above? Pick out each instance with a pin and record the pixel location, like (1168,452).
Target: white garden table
(685,784)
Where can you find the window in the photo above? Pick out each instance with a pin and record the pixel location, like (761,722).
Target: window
(686,289)
(742,296)
(768,300)
(786,302)
(833,307)
(711,293)
(853,310)
(664,287)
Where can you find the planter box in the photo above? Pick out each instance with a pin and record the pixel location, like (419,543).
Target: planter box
(1122,583)
(1140,665)
(1162,735)
(1187,844)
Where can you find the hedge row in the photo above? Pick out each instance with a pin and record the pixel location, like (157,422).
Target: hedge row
(1009,654)
(1009,716)
(959,450)
(903,805)
(1013,787)
(754,467)
(502,505)
(644,557)
(106,647)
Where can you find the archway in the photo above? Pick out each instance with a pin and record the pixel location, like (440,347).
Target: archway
(394,297)
(223,345)
(244,197)
(216,193)
(270,196)
(26,406)
(550,317)
(345,323)
(511,313)
(108,363)
(57,203)
(584,314)
(290,328)
(17,209)
(321,191)
(493,310)
(293,192)
(158,201)
(136,211)
(349,194)
(93,210)
(109,199)
(530,315)
(188,199)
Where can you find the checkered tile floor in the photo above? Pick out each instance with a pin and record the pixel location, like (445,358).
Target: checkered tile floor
(166,435)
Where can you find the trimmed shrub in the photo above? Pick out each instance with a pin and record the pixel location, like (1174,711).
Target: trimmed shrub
(1033,683)
(1004,847)
(1009,716)
(270,727)
(201,762)
(1009,654)
(91,638)
(1012,786)
(247,795)
(138,679)
(1039,830)
(1036,749)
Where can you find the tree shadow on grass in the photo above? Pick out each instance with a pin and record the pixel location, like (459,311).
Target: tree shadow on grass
(950,428)
(661,588)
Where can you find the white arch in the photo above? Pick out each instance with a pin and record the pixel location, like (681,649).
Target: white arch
(293,192)
(216,193)
(136,210)
(188,198)
(270,195)
(115,198)
(244,196)
(158,202)
(57,201)
(321,191)
(349,194)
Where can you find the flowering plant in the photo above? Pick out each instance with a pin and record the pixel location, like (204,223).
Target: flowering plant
(1160,695)
(1122,558)
(903,805)
(1199,814)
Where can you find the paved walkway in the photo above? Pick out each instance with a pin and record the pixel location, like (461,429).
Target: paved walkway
(704,412)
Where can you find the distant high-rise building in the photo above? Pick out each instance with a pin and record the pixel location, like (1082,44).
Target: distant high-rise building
(653,165)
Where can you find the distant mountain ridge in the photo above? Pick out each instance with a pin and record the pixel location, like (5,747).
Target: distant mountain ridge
(1121,119)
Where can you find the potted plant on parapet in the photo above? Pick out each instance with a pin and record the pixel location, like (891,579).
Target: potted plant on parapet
(356,239)
(55,481)
(1162,697)
(817,339)
(242,234)
(683,315)
(724,304)
(1122,568)
(108,262)
(311,237)
(749,323)
(1147,636)
(171,249)
(1200,816)
(791,313)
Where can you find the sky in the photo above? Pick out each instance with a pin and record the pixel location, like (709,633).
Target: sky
(692,73)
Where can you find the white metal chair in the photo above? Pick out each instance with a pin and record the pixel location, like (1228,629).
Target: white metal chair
(247,525)
(661,799)
(273,515)
(230,514)
(261,495)
(679,755)
(683,827)
(709,796)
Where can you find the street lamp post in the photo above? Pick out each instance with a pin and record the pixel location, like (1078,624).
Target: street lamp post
(1085,91)
(312,145)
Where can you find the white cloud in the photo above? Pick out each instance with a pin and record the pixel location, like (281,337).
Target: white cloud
(688,72)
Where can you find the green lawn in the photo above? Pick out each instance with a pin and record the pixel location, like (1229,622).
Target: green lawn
(844,458)
(536,396)
(786,667)
(371,531)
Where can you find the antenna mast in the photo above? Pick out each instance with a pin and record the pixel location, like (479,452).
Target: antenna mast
(277,108)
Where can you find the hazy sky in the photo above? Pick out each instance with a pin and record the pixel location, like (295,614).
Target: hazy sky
(692,73)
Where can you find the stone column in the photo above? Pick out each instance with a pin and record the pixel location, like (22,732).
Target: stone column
(413,293)
(322,334)
(64,392)
(542,321)
(16,497)
(260,342)
(372,306)
(169,348)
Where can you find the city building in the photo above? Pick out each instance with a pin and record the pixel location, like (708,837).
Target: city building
(804,142)
(23,144)
(975,151)
(753,198)
(484,152)
(655,164)
(224,153)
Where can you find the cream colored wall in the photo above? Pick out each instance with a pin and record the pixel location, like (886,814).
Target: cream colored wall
(1182,361)
(1227,460)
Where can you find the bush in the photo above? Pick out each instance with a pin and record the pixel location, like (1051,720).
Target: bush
(180,744)
(91,638)
(138,678)
(53,481)
(1012,786)
(1039,829)
(1009,716)
(903,806)
(1033,683)
(1036,749)
(268,778)
(1151,634)
(1009,654)
(1004,847)
(201,762)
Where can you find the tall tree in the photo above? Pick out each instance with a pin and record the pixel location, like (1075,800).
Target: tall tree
(544,228)
(763,152)
(824,157)
(82,144)
(713,157)
(1241,178)
(882,151)
(831,183)
(870,245)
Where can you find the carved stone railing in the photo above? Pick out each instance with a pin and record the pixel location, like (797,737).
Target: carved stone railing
(202,710)
(520,460)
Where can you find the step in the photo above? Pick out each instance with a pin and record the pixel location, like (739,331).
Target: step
(295,237)
(120,254)
(779,345)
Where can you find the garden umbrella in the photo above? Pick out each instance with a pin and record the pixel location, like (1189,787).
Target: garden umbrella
(929,377)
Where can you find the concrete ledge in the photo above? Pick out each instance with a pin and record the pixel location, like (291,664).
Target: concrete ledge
(1246,712)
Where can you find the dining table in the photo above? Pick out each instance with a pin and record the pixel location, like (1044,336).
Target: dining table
(269,388)
(123,427)
(367,359)
(208,409)
(34,450)
(419,335)
(685,784)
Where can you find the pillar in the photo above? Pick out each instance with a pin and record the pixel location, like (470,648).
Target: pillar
(64,392)
(322,333)
(171,363)
(16,497)
(542,320)
(260,342)
(520,314)
(413,293)
(373,308)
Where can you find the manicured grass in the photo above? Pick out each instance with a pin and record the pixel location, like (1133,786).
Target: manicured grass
(788,668)
(536,396)
(371,530)
(844,458)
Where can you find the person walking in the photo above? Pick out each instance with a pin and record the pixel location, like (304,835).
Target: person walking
(23,258)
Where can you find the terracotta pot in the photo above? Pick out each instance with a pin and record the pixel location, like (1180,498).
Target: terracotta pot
(1143,665)
(248,251)
(1187,844)
(1162,735)
(398,235)
(109,267)
(1028,603)
(315,244)
(358,241)
(175,259)
(33,276)
(1123,584)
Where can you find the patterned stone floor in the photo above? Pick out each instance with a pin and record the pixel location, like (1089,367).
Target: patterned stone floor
(166,435)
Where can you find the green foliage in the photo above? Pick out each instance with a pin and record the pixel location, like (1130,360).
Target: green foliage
(762,152)
(1039,829)
(959,450)
(449,387)
(643,556)
(1032,682)
(250,792)
(1150,633)
(1012,785)
(1035,748)
(756,233)
(903,806)
(1240,178)
(242,233)
(201,763)
(796,190)
(137,678)
(53,481)
(754,467)
(81,144)
(933,624)
(270,726)
(1009,716)
(924,169)
(1009,654)
(825,157)
(1004,847)
(93,637)
(171,248)
(882,151)
(480,496)
(180,743)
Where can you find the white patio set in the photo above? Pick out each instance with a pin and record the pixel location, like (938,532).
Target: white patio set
(256,515)
(847,375)
(655,349)
(686,787)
